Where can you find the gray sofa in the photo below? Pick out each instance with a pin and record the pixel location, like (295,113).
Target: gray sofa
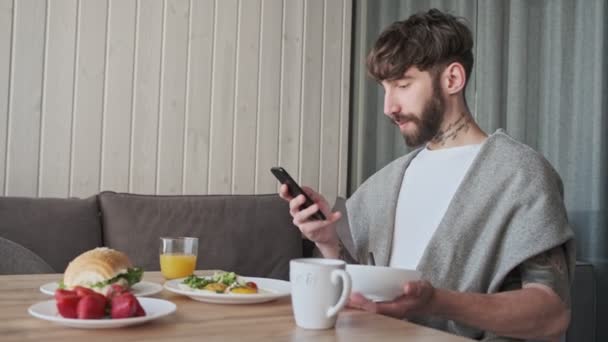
(248,234)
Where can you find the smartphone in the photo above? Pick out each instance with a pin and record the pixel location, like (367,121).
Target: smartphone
(295,190)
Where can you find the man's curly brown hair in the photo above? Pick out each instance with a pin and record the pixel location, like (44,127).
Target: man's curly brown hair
(429,41)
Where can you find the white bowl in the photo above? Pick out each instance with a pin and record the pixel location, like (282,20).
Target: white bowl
(380,283)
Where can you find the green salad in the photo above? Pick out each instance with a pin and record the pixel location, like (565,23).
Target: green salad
(226,278)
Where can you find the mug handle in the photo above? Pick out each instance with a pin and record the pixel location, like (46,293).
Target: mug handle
(346,286)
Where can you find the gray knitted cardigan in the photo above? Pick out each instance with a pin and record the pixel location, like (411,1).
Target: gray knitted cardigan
(508,208)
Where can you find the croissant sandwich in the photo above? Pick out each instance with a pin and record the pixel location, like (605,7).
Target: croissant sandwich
(99,268)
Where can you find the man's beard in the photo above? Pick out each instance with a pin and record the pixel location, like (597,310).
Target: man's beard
(429,122)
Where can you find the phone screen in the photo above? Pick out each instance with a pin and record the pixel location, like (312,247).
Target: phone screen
(295,190)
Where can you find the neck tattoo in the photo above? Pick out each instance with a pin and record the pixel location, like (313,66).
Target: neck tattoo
(452,130)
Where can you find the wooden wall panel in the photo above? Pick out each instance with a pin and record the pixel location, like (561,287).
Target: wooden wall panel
(222,96)
(267,147)
(331,98)
(146,96)
(312,89)
(291,86)
(6,39)
(57,105)
(246,97)
(25,101)
(172,96)
(200,71)
(117,113)
(89,97)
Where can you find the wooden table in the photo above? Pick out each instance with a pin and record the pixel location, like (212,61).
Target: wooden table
(197,321)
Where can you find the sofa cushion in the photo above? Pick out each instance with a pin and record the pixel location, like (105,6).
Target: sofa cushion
(16,259)
(56,229)
(249,234)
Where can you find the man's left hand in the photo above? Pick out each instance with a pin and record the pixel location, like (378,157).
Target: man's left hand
(416,300)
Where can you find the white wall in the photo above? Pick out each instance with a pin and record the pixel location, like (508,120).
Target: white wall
(172,96)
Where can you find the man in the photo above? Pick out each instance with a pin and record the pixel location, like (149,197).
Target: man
(482,217)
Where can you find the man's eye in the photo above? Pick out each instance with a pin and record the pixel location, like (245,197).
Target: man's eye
(403,86)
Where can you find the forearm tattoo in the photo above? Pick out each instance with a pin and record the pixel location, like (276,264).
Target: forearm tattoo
(549,268)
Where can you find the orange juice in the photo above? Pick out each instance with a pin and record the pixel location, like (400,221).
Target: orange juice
(177,265)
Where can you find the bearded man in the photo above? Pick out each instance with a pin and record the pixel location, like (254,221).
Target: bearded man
(481,216)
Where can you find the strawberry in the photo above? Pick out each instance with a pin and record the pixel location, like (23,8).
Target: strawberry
(91,306)
(115,290)
(139,311)
(124,305)
(67,303)
(83,291)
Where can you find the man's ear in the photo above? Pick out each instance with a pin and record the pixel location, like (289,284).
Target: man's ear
(453,78)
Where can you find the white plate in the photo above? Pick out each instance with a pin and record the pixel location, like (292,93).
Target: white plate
(269,289)
(155,308)
(141,289)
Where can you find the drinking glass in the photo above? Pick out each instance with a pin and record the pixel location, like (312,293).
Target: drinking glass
(178,256)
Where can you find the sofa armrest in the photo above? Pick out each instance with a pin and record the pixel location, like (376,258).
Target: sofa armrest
(16,259)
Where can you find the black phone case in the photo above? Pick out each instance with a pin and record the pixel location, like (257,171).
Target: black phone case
(295,190)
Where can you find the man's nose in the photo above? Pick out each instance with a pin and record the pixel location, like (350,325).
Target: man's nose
(390,107)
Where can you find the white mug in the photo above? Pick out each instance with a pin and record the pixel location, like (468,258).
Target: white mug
(317,294)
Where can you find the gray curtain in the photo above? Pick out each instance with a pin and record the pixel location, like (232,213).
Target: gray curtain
(540,73)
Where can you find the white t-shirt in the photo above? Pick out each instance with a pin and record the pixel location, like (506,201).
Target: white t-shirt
(427,189)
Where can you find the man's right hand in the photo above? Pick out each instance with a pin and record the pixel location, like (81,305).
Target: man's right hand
(322,233)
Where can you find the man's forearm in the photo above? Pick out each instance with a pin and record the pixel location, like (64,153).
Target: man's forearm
(329,250)
(528,313)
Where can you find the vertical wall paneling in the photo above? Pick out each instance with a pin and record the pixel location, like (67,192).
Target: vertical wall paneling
(291,86)
(551,71)
(388,12)
(330,121)
(312,90)
(6,33)
(344,98)
(359,168)
(468,9)
(267,148)
(246,97)
(222,109)
(119,96)
(597,175)
(56,131)
(146,96)
(173,99)
(488,55)
(200,61)
(172,96)
(26,98)
(568,127)
(517,42)
(580,73)
(89,94)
